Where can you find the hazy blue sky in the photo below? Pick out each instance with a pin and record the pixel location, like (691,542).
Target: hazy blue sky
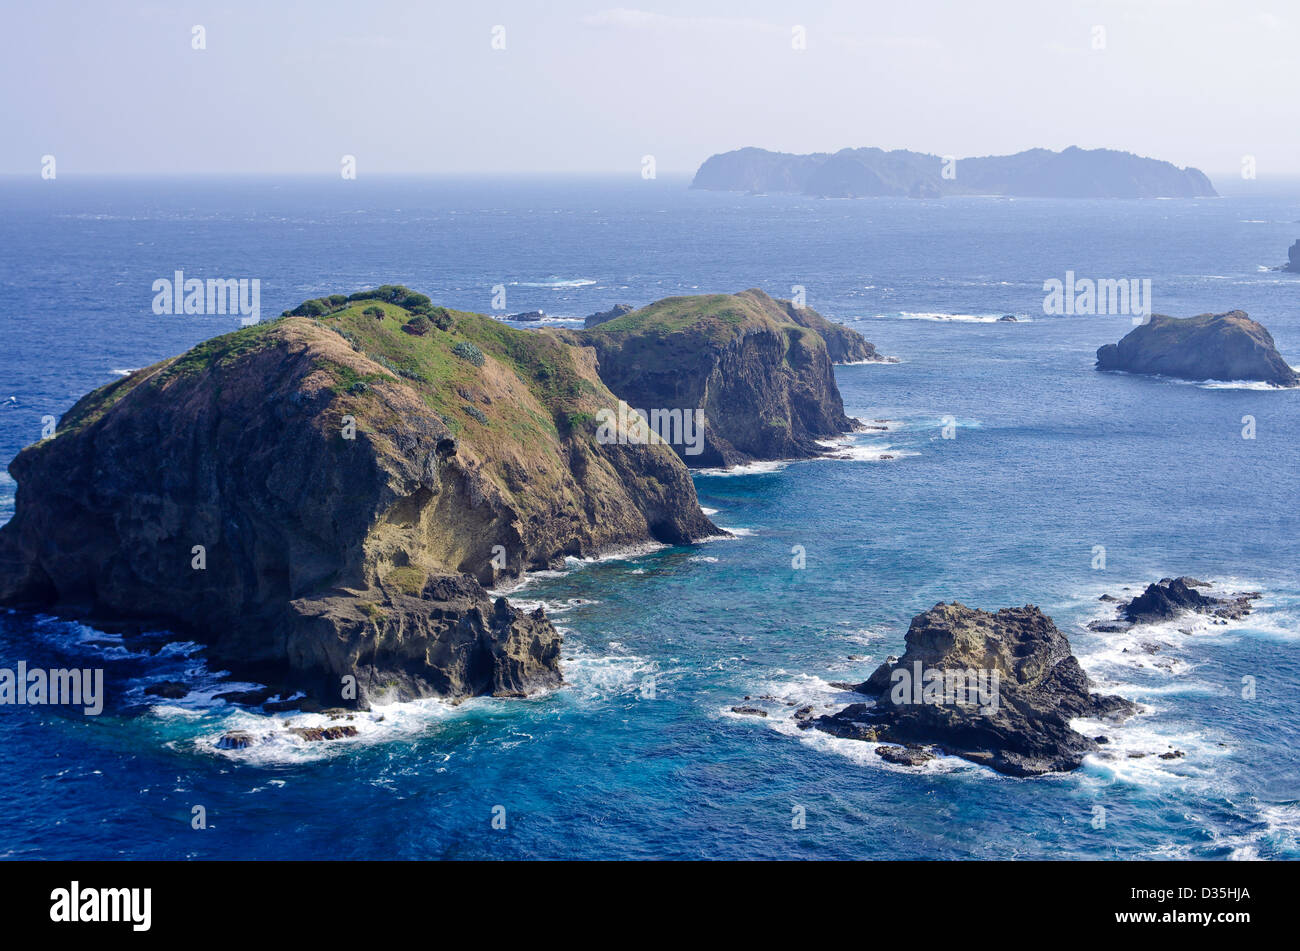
(584,86)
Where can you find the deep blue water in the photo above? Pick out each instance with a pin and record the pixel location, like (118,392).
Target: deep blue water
(1050,459)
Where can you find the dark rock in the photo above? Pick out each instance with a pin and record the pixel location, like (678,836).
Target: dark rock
(170,689)
(248,698)
(904,755)
(1227,346)
(235,740)
(529,316)
(1170,597)
(1007,318)
(314,734)
(1173,754)
(750,711)
(1108,597)
(1021,727)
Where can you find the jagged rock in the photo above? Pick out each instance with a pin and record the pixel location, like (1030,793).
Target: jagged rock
(904,755)
(248,698)
(1020,726)
(315,734)
(750,711)
(1227,346)
(225,494)
(1170,597)
(1008,318)
(235,740)
(529,316)
(169,689)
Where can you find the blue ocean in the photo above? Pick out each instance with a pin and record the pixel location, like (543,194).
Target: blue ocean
(639,756)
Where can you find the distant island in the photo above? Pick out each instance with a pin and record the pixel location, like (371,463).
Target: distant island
(871,172)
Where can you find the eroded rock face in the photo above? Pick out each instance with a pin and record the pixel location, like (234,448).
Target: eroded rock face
(1018,723)
(759,369)
(220,494)
(1227,346)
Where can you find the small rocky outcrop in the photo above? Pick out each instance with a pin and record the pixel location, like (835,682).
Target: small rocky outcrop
(319,502)
(528,316)
(605,316)
(1293,260)
(997,689)
(1227,346)
(1170,598)
(759,369)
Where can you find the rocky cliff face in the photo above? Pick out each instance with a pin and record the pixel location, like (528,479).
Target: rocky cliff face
(318,498)
(870,172)
(1227,346)
(760,369)
(1293,259)
(1017,724)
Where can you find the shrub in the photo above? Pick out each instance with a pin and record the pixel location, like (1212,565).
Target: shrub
(417,326)
(467,351)
(475,413)
(375,312)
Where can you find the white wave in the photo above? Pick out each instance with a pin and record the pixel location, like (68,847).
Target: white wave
(556,282)
(782,695)
(705,559)
(958,318)
(708,511)
(878,362)
(750,468)
(592,676)
(849,451)
(1241,384)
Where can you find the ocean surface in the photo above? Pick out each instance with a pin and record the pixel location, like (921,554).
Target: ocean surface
(639,755)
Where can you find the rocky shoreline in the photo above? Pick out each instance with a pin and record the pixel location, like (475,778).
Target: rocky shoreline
(321,499)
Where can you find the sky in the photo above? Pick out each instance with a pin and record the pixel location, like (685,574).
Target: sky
(291,86)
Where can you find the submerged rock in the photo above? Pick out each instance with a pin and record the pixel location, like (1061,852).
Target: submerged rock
(997,689)
(168,689)
(316,734)
(1227,347)
(904,755)
(235,740)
